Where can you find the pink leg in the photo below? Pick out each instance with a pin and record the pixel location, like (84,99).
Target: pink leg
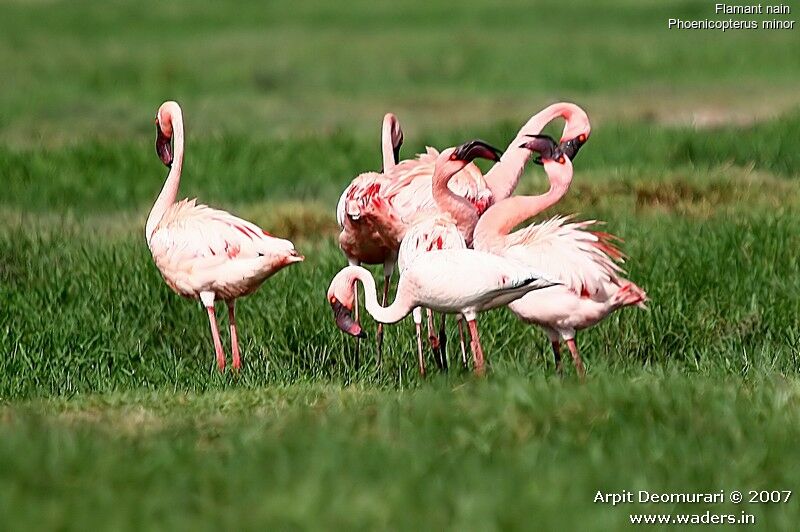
(477,350)
(234,336)
(386,279)
(464,362)
(576,357)
(358,340)
(420,358)
(212,318)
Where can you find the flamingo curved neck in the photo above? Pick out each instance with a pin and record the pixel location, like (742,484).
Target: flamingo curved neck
(169,192)
(391,314)
(387,149)
(464,212)
(503,177)
(498,221)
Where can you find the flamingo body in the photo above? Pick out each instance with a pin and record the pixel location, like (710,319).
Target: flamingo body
(204,253)
(199,249)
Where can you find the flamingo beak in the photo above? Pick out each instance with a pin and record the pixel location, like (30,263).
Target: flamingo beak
(545,146)
(344,319)
(163,146)
(294,256)
(476,148)
(571,147)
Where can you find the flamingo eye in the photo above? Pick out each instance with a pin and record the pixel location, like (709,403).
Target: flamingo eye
(332,299)
(561,160)
(582,137)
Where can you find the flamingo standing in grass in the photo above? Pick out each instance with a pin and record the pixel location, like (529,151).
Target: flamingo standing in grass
(376,209)
(204,253)
(584,261)
(450,227)
(360,238)
(461,281)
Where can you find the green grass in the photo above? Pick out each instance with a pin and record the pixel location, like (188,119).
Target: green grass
(112,414)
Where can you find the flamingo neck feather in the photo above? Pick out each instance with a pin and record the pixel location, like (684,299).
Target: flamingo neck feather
(464,212)
(169,192)
(498,221)
(395,312)
(503,177)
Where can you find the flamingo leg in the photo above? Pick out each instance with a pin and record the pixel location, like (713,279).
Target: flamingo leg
(420,358)
(234,337)
(443,343)
(434,340)
(358,340)
(460,321)
(212,318)
(477,350)
(379,354)
(576,357)
(557,357)
(417,314)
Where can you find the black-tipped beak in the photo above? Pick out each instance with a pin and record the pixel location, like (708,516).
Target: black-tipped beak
(571,147)
(345,321)
(473,149)
(163,146)
(396,148)
(545,146)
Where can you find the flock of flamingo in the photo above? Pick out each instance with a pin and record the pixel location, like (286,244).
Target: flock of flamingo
(438,219)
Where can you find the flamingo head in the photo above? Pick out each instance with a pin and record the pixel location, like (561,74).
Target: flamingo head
(342,296)
(453,160)
(575,135)
(556,163)
(391,122)
(164,132)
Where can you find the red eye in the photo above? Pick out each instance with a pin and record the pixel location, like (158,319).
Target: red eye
(561,160)
(582,137)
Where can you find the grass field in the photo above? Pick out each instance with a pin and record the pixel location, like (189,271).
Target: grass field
(113,415)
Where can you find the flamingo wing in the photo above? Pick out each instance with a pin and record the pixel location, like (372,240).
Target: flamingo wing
(189,232)
(410,188)
(430,233)
(585,261)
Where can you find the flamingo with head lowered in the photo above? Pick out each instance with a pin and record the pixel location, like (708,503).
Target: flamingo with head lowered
(462,281)
(450,227)
(585,262)
(376,209)
(204,253)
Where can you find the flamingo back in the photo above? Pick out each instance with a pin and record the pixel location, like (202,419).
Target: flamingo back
(198,248)
(585,261)
(429,233)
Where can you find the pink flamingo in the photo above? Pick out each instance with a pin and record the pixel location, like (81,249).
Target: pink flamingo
(361,239)
(449,227)
(584,261)
(375,210)
(204,253)
(461,281)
